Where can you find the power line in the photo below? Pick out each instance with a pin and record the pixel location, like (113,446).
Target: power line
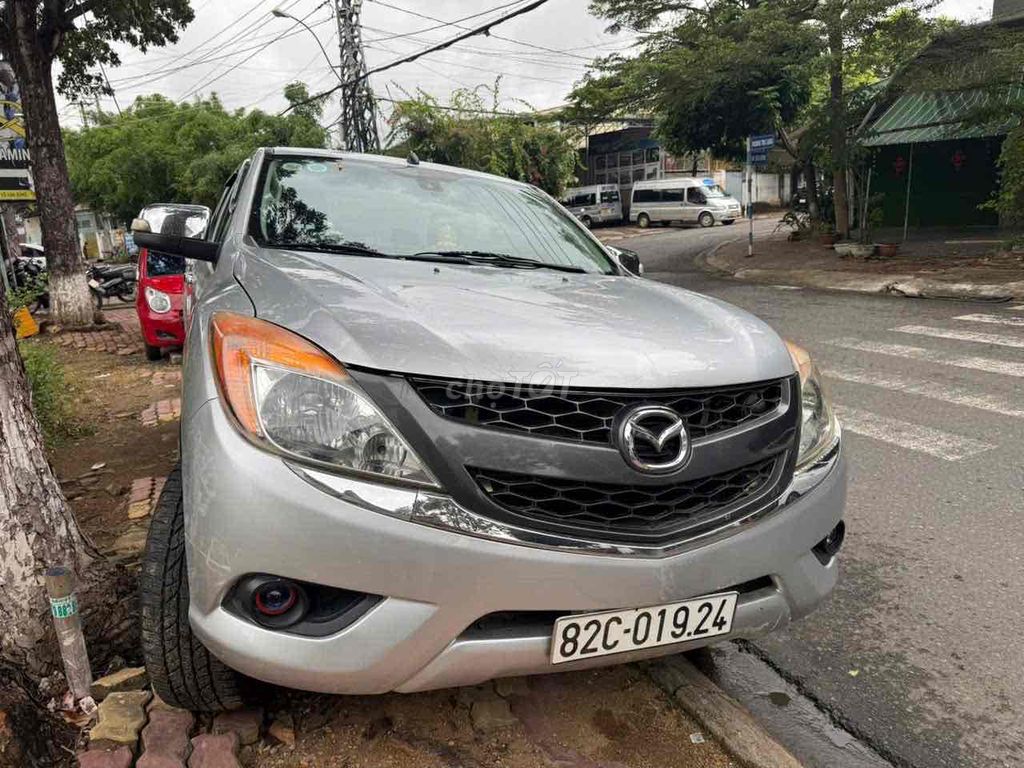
(482,29)
(443,24)
(229,70)
(495,36)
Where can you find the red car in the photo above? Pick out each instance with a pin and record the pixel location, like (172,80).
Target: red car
(162,277)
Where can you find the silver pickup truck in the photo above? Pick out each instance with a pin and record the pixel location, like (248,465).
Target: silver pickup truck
(433,432)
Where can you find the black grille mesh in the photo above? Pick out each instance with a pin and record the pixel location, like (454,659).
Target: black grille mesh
(587,416)
(618,511)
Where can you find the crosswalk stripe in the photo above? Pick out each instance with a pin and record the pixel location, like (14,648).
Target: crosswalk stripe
(1016,322)
(987,364)
(929,389)
(913,437)
(974,336)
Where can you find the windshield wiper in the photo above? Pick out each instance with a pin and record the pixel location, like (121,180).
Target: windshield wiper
(345,248)
(493,259)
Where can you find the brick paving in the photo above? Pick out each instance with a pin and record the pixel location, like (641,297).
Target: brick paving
(161,412)
(215,751)
(167,378)
(114,341)
(121,717)
(143,496)
(117,758)
(165,739)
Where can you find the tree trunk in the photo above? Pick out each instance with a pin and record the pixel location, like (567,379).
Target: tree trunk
(70,303)
(811,180)
(11,249)
(37,531)
(837,109)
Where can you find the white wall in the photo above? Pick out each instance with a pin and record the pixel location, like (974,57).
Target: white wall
(770,188)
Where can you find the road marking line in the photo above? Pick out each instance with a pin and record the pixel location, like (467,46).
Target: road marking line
(913,437)
(989,365)
(927,389)
(786,287)
(1017,322)
(1018,308)
(973,336)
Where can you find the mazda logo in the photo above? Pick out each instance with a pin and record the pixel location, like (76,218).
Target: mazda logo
(653,439)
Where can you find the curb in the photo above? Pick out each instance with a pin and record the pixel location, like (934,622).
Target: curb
(908,286)
(718,713)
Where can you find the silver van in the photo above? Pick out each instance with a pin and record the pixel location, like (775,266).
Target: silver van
(596,204)
(689,200)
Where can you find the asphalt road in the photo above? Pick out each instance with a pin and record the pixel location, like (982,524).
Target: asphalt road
(920,651)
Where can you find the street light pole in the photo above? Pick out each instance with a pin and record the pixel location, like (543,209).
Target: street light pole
(282,14)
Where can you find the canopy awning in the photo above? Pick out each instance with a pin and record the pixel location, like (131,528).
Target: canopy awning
(942,116)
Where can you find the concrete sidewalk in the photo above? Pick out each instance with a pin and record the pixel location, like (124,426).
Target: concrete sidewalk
(937,267)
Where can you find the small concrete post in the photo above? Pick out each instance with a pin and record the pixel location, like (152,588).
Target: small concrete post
(60,586)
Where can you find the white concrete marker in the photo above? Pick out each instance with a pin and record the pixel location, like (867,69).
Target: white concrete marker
(987,364)
(913,437)
(929,389)
(973,336)
(1017,322)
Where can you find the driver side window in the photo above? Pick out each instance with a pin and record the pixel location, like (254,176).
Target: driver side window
(696,196)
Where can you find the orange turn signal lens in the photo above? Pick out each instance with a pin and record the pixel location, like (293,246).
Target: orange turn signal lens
(238,341)
(801,359)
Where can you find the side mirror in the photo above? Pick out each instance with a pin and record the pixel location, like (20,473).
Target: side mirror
(140,225)
(628,260)
(186,247)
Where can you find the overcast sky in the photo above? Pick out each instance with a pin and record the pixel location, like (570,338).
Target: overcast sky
(230,49)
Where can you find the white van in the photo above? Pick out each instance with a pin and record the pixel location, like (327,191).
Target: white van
(596,204)
(685,199)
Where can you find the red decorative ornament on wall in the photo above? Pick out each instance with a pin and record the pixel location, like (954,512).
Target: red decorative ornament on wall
(899,165)
(959,160)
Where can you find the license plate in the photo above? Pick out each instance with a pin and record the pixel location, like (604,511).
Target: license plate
(588,635)
(94,284)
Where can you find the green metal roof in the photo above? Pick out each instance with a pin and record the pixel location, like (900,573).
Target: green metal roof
(940,116)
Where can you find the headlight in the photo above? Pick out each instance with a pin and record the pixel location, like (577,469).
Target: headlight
(158,301)
(291,397)
(819,428)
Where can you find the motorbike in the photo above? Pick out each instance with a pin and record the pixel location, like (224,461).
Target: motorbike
(107,281)
(31,279)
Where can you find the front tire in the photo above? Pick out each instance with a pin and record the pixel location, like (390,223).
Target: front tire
(587,222)
(727,222)
(706,220)
(643,221)
(183,673)
(153,354)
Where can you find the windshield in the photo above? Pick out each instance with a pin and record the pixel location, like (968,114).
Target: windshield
(713,190)
(405,210)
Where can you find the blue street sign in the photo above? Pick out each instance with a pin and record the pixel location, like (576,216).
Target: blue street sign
(761,144)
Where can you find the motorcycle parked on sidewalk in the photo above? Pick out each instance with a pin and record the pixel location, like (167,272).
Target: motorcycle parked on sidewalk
(107,281)
(32,283)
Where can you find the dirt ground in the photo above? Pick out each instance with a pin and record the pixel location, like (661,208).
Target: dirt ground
(599,719)
(950,256)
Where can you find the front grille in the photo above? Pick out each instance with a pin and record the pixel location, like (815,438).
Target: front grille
(648,513)
(586,416)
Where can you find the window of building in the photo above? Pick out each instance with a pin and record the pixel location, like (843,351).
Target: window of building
(638,157)
(652,172)
(638,174)
(600,162)
(653,154)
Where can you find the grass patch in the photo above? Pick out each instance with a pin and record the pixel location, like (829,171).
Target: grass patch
(51,398)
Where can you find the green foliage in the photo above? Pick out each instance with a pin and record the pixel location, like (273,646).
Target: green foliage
(81,33)
(51,401)
(713,73)
(161,151)
(1009,199)
(470,134)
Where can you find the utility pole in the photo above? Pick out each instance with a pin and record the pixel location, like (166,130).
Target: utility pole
(358,124)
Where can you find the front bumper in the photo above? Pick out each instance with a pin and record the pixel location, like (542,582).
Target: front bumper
(162,330)
(247,512)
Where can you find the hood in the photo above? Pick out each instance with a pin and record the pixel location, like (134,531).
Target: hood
(537,327)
